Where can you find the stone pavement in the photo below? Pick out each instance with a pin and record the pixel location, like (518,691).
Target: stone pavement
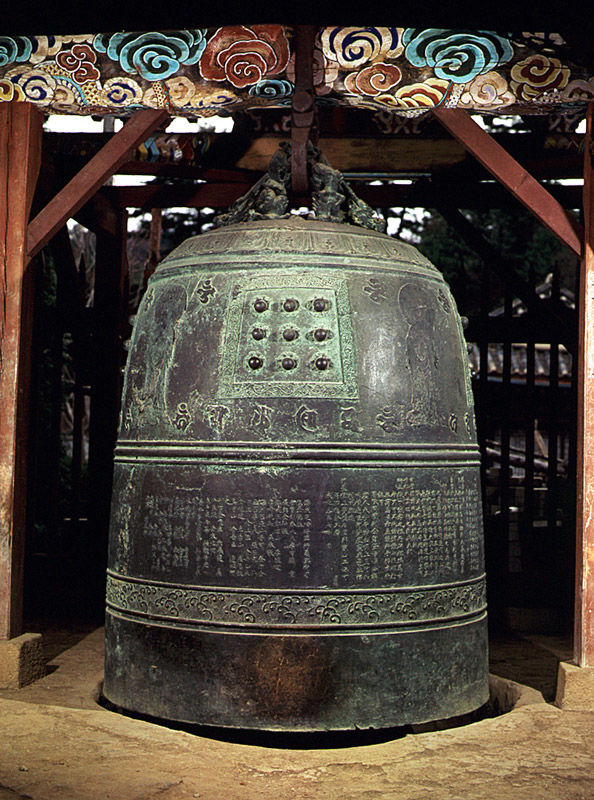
(57,743)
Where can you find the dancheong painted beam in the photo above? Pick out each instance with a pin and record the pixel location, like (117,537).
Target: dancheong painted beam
(207,71)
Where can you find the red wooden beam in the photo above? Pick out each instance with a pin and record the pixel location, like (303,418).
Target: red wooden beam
(512,175)
(91,177)
(584,594)
(20,145)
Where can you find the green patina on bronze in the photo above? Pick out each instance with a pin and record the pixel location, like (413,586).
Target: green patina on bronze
(296,526)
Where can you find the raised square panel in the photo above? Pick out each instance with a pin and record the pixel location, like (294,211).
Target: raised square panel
(289,338)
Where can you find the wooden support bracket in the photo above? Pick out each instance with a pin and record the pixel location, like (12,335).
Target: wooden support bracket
(91,177)
(514,177)
(302,107)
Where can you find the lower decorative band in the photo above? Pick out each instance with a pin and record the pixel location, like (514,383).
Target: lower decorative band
(297,609)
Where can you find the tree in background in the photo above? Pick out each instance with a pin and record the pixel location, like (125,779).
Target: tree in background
(517,236)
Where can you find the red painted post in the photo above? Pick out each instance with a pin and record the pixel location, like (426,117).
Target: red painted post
(302,116)
(584,588)
(20,149)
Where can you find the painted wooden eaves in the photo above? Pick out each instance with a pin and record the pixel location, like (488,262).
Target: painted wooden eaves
(209,71)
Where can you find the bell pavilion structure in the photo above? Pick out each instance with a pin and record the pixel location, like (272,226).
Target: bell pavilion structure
(306,83)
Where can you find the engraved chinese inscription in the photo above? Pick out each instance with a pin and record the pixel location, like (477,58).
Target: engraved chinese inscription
(348,419)
(229,535)
(128,419)
(261,418)
(386,535)
(390,419)
(182,418)
(307,418)
(216,416)
(468,423)
(405,531)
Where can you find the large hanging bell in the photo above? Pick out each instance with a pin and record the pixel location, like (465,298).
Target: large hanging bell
(296,536)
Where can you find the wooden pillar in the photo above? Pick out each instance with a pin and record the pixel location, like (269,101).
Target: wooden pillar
(584,594)
(20,159)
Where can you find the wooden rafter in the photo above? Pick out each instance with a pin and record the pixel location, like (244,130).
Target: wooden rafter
(91,177)
(513,176)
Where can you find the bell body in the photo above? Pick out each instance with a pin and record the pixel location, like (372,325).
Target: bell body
(296,534)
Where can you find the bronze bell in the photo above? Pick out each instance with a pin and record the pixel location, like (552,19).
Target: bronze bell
(296,537)
(296,527)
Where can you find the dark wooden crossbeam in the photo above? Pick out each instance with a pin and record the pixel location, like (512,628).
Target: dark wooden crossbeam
(546,157)
(419,194)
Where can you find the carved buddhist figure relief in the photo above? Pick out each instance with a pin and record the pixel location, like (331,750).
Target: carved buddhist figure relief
(422,359)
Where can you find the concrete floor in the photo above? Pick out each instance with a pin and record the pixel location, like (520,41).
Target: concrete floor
(56,742)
